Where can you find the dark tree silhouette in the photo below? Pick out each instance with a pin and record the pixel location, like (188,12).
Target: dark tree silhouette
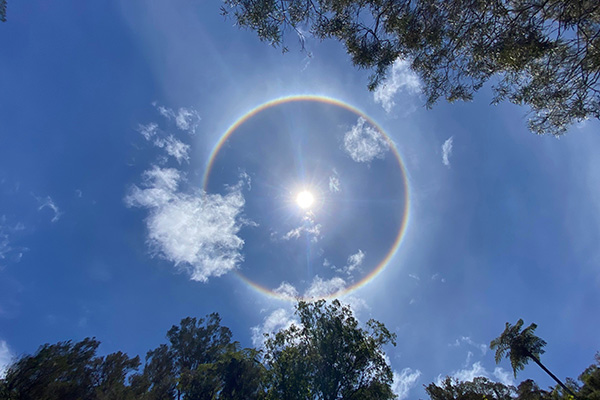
(543,54)
(521,346)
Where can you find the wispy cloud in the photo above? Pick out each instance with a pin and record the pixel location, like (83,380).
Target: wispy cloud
(447,151)
(288,290)
(196,231)
(401,80)
(414,276)
(466,339)
(404,381)
(276,321)
(321,288)
(173,146)
(354,262)
(49,203)
(363,143)
(186,119)
(309,227)
(334,182)
(6,357)
(478,370)
(8,252)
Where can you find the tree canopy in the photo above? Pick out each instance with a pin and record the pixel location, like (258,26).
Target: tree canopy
(325,355)
(544,54)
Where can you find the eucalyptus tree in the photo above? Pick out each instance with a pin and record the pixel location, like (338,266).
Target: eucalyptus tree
(544,54)
(520,346)
(479,388)
(328,356)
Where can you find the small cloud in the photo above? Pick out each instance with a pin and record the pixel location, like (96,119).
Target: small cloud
(148,131)
(78,193)
(320,288)
(287,290)
(186,119)
(466,339)
(504,377)
(437,276)
(478,370)
(9,253)
(278,320)
(354,262)
(196,231)
(334,182)
(364,143)
(404,381)
(49,203)
(6,358)
(414,276)
(401,79)
(174,147)
(447,151)
(468,374)
(309,228)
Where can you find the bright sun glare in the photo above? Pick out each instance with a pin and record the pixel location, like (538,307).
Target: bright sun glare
(305,199)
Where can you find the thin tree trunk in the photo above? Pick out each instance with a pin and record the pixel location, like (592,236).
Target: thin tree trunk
(538,362)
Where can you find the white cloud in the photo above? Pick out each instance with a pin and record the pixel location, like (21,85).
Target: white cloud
(447,151)
(7,250)
(404,381)
(437,276)
(334,182)
(309,227)
(415,277)
(466,339)
(476,370)
(276,321)
(196,231)
(49,203)
(354,262)
(468,374)
(401,79)
(320,288)
(148,131)
(6,357)
(174,147)
(504,377)
(186,119)
(364,143)
(287,290)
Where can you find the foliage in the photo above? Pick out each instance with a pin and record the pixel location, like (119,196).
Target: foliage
(479,389)
(328,356)
(3,10)
(69,370)
(519,346)
(541,53)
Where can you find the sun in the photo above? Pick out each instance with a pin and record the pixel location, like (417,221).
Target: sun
(305,199)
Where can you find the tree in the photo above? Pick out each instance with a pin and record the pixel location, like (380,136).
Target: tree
(328,356)
(68,370)
(521,346)
(201,362)
(541,53)
(3,10)
(479,389)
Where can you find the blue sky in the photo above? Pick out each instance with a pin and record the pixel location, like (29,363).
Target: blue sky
(109,113)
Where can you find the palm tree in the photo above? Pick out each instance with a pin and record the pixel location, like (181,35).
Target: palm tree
(520,346)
